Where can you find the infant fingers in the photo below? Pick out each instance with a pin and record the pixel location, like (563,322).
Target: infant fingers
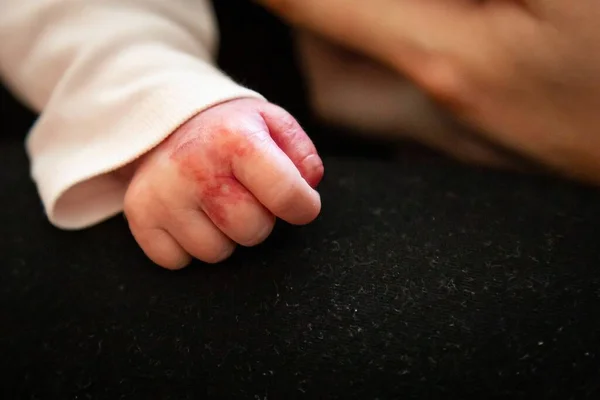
(276,182)
(160,247)
(236,211)
(196,233)
(140,209)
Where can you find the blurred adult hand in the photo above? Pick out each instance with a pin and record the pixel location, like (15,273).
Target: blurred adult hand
(525,74)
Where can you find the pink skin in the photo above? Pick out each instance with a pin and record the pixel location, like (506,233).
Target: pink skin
(222,178)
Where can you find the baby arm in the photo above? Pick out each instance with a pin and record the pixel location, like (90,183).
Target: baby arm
(112,79)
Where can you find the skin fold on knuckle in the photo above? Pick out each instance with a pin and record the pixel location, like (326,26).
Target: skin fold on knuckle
(289,126)
(257,137)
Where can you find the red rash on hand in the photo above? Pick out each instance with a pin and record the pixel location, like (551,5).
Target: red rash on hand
(209,165)
(207,148)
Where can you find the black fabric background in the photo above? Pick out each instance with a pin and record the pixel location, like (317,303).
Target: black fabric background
(421,279)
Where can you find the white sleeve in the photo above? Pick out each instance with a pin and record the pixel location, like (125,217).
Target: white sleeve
(110,79)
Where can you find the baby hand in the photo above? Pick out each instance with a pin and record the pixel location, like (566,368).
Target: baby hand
(222,179)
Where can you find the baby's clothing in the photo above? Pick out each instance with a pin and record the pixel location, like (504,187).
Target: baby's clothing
(111,79)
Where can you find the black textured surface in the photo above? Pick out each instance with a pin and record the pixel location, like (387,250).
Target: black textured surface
(421,279)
